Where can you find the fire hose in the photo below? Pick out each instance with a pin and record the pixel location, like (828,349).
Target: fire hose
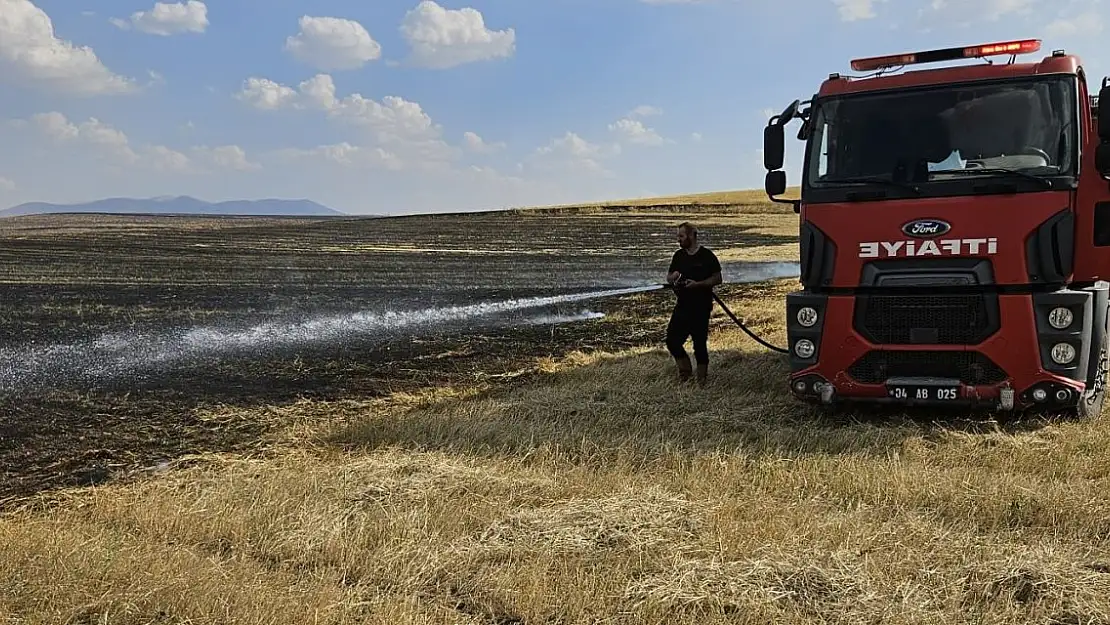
(743,327)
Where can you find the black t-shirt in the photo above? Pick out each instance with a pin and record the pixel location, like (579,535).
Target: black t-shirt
(697,266)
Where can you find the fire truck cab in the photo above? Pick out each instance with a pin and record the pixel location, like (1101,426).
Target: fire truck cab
(954,233)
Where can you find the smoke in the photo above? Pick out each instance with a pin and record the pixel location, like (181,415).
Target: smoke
(757,272)
(733,272)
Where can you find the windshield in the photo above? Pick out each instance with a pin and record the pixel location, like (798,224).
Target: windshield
(944,140)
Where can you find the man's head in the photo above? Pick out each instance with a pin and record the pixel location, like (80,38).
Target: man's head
(687,236)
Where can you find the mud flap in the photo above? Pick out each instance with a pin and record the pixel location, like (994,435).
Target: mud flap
(1092,399)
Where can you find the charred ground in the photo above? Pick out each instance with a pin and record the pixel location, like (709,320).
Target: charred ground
(71,278)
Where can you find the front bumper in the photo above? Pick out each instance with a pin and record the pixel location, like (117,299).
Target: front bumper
(1012,368)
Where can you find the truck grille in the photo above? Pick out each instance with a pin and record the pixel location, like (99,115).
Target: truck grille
(968,367)
(942,319)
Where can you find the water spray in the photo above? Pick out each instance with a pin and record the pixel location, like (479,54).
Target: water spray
(120,354)
(135,353)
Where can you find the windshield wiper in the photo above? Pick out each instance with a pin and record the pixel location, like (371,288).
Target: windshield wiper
(873,180)
(1044,182)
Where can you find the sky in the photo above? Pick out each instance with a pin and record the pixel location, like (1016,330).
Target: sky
(409,106)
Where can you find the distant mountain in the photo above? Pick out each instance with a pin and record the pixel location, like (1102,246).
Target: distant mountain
(181,205)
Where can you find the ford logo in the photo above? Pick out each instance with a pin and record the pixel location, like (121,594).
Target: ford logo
(926,228)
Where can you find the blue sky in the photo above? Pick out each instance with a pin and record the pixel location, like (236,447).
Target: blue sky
(405,106)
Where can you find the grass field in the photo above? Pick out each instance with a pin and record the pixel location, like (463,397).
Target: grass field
(502,474)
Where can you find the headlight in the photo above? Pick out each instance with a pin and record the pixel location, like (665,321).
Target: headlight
(804,348)
(1060,318)
(1063,353)
(807,316)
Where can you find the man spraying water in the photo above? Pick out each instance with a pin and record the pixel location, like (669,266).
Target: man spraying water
(694,271)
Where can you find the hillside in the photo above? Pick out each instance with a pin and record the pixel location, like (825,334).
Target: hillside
(733,198)
(181,205)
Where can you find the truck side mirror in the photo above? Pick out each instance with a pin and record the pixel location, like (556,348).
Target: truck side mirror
(775,183)
(773,147)
(1104,113)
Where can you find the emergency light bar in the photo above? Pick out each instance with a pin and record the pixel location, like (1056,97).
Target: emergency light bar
(1023,46)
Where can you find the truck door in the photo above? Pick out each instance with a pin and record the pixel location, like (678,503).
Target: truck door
(1092,255)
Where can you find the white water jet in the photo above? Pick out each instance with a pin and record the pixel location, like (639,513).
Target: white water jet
(135,353)
(123,353)
(585,315)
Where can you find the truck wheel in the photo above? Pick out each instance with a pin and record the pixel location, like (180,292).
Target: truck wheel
(1091,401)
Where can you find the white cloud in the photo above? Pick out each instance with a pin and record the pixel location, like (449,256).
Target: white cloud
(634,131)
(111,146)
(490,174)
(573,145)
(99,160)
(319,91)
(225,157)
(91,132)
(393,115)
(162,158)
(396,124)
(999,8)
(573,154)
(346,155)
(30,50)
(948,14)
(1087,23)
(332,43)
(645,110)
(266,94)
(167,19)
(442,38)
(695,136)
(6,184)
(852,10)
(477,144)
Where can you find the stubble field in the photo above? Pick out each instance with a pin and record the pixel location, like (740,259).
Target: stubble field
(217,420)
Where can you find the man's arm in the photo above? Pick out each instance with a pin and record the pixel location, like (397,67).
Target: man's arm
(709,282)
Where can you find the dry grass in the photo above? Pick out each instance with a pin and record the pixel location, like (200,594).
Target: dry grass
(774,226)
(739,197)
(601,492)
(747,209)
(598,492)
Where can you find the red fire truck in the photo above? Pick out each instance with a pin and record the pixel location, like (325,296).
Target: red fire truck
(954,233)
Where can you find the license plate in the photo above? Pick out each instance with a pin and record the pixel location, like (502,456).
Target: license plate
(924,393)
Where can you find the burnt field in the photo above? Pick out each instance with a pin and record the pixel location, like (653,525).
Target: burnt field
(368,421)
(120,335)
